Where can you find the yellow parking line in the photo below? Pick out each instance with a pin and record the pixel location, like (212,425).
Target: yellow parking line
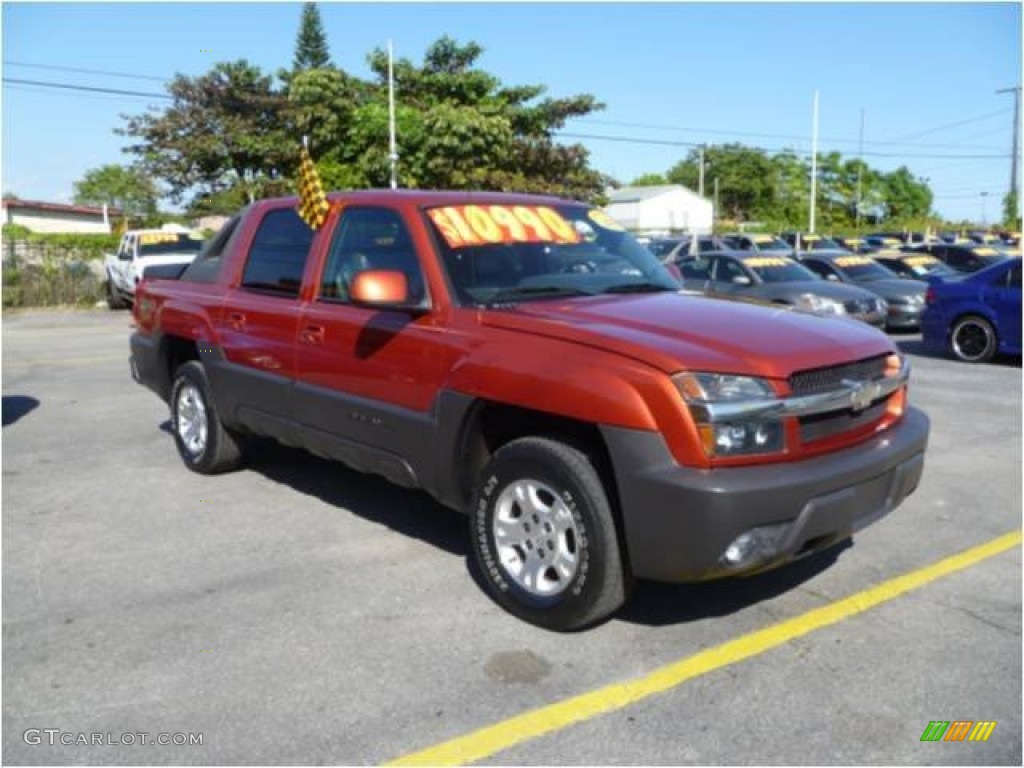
(529,725)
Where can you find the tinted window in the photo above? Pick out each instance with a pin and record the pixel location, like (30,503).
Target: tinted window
(370,238)
(695,269)
(818,267)
(206,266)
(278,254)
(727,269)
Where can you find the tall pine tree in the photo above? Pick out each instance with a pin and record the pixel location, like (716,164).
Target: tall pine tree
(311,45)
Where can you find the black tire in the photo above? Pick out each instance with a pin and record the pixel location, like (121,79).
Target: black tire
(218,450)
(114,298)
(973,339)
(568,492)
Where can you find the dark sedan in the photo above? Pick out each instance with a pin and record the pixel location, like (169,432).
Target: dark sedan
(913,266)
(963,257)
(777,280)
(905,298)
(975,316)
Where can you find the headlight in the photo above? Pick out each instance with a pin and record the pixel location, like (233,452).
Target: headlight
(732,437)
(810,302)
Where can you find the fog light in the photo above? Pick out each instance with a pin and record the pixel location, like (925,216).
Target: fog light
(758,545)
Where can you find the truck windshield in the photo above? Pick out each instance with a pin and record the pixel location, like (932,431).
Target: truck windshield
(160,243)
(500,254)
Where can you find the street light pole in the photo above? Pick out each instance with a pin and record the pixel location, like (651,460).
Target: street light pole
(984,215)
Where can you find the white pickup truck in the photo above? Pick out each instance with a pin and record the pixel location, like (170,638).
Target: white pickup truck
(142,248)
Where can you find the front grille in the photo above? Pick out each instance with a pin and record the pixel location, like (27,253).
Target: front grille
(824,379)
(824,425)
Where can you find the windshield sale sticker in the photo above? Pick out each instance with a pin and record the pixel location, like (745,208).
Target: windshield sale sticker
(602,219)
(852,261)
(463,225)
(152,238)
(765,261)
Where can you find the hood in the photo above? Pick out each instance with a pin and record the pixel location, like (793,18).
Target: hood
(826,288)
(674,332)
(889,288)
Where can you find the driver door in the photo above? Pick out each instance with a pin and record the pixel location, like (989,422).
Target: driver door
(729,278)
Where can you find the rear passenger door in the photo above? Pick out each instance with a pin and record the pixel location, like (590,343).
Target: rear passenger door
(258,323)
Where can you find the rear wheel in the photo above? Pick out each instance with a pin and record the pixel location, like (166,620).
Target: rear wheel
(973,339)
(544,536)
(205,445)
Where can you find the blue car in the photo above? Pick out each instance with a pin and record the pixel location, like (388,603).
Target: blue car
(976,315)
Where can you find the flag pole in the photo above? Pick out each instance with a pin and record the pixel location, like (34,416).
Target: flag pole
(393,153)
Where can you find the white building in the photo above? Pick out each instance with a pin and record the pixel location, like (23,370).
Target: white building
(669,207)
(58,217)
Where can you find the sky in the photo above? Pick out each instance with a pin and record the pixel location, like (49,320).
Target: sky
(924,76)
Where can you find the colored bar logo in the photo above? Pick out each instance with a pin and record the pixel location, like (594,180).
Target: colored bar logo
(958,730)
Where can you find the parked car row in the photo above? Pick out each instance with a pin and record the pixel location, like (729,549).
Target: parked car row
(891,289)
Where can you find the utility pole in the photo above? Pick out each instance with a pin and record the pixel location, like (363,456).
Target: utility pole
(714,215)
(984,215)
(860,171)
(814,162)
(700,183)
(392,145)
(1014,190)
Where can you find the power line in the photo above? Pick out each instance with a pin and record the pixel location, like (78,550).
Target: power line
(665,142)
(93,89)
(796,137)
(953,125)
(81,70)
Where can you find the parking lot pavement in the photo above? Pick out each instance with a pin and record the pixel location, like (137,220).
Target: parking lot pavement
(297,612)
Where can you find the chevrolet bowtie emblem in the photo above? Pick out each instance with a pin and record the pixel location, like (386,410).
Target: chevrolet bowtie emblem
(862,393)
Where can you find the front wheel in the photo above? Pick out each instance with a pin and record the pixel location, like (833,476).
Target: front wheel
(544,536)
(973,339)
(205,445)
(114,298)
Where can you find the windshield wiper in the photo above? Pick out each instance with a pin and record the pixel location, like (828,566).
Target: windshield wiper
(535,292)
(637,288)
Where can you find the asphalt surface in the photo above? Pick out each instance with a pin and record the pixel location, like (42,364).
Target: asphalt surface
(296,612)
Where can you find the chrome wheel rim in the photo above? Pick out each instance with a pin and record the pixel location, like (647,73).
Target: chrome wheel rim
(536,537)
(191,418)
(971,340)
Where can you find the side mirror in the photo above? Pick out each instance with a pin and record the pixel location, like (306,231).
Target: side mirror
(833,278)
(382,288)
(125,256)
(741,280)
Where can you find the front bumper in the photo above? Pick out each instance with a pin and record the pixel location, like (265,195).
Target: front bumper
(904,316)
(679,521)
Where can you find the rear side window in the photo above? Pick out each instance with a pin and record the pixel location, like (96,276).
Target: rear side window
(278,255)
(206,267)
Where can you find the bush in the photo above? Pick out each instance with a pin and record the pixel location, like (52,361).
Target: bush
(54,282)
(84,246)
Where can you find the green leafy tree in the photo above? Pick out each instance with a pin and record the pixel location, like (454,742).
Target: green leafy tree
(649,180)
(224,130)
(744,174)
(905,196)
(118,186)
(311,45)
(1011,210)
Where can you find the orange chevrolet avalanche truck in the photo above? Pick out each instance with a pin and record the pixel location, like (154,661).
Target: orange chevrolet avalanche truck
(523,359)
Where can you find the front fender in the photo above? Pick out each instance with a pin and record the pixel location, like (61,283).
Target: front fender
(581,383)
